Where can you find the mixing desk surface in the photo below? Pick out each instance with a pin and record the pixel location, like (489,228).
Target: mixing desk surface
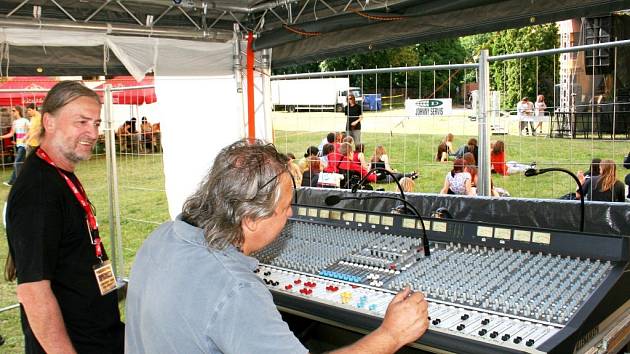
(491,288)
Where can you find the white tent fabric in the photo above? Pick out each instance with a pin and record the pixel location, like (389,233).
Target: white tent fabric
(200,109)
(140,55)
(199,117)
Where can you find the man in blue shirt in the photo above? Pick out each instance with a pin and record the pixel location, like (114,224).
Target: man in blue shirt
(192,286)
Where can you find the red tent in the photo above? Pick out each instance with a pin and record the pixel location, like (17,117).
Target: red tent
(19,86)
(131,96)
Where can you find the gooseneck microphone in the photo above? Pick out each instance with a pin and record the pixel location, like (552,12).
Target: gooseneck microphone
(379,169)
(535,172)
(335,199)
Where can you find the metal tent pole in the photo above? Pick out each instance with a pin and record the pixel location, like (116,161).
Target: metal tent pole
(115,232)
(483,181)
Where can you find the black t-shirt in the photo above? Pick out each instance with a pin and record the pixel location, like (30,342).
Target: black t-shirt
(592,190)
(353,113)
(49,240)
(627,180)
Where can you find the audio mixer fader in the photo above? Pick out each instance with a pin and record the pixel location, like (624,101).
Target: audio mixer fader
(490,288)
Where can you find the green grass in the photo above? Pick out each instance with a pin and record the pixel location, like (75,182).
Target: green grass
(143,202)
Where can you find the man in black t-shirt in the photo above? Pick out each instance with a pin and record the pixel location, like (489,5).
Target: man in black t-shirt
(354,113)
(53,240)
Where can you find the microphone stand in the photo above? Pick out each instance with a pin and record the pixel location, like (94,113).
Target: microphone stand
(334,199)
(534,172)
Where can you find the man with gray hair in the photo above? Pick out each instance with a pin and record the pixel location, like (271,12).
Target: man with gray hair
(193,288)
(66,287)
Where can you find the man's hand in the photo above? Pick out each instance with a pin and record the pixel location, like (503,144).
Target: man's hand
(406,318)
(405,321)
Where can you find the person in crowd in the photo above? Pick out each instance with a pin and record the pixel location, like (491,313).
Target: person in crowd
(499,166)
(470,166)
(525,111)
(448,140)
(471,146)
(311,151)
(381,160)
(333,158)
(125,136)
(457,181)
(19,129)
(339,136)
(329,139)
(291,156)
(350,140)
(310,176)
(539,111)
(295,171)
(35,128)
(348,164)
(605,187)
(359,156)
(328,148)
(241,206)
(354,114)
(408,184)
(442,153)
(146,131)
(66,286)
(593,170)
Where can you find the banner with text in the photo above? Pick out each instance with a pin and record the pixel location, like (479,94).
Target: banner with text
(429,107)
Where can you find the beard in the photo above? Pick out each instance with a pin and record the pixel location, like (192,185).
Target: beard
(70,151)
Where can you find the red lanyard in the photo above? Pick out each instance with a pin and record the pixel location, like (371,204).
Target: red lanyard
(81,196)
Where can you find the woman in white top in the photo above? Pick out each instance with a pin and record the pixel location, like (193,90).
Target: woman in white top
(539,111)
(457,181)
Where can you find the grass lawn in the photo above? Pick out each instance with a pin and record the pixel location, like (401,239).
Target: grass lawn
(143,202)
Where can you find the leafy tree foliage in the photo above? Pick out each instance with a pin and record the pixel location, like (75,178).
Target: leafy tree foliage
(514,78)
(428,53)
(519,78)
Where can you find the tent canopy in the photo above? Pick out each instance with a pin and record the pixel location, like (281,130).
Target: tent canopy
(135,96)
(298,31)
(15,90)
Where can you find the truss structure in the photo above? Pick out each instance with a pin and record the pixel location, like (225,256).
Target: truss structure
(192,19)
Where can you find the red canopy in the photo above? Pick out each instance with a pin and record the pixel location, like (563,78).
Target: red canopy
(18,96)
(131,96)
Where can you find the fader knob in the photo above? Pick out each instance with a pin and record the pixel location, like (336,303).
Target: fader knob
(529,343)
(517,340)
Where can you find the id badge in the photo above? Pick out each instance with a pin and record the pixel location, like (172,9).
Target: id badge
(105,278)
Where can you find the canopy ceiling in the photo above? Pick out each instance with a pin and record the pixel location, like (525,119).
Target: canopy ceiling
(299,31)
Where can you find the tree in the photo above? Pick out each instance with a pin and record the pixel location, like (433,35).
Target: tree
(429,53)
(517,78)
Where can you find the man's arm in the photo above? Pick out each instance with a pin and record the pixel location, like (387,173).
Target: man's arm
(9,134)
(405,321)
(357,121)
(44,316)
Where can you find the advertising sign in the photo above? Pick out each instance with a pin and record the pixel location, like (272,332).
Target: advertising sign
(429,107)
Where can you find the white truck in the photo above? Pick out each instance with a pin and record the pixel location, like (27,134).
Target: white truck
(326,94)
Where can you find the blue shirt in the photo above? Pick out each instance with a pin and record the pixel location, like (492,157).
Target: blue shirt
(185,297)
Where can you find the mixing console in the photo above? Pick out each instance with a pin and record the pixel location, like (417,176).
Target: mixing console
(490,288)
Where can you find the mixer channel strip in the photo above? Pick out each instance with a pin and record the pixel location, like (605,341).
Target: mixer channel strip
(486,327)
